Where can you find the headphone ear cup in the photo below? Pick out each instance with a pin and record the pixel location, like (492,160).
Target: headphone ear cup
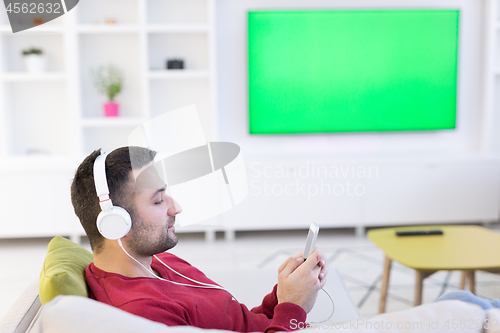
(114,224)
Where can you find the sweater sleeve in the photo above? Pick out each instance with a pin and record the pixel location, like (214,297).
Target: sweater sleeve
(268,304)
(285,316)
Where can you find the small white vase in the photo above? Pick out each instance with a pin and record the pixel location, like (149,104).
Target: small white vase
(35,64)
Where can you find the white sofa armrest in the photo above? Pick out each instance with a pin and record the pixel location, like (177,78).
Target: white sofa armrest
(81,315)
(77,314)
(22,313)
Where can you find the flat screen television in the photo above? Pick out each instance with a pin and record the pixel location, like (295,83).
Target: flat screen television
(327,71)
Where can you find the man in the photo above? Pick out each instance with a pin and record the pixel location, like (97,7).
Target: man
(132,278)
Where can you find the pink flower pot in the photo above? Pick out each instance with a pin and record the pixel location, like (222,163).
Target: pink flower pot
(111,109)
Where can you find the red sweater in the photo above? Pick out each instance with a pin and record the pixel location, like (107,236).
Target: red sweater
(175,305)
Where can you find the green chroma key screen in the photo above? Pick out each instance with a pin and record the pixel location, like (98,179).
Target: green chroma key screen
(352,70)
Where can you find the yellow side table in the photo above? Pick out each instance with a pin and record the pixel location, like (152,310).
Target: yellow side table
(465,248)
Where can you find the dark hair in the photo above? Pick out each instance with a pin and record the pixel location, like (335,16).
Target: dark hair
(120,182)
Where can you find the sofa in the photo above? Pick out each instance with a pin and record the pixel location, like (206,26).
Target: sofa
(65,312)
(63,274)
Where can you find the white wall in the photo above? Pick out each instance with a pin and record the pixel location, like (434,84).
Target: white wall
(420,177)
(231,18)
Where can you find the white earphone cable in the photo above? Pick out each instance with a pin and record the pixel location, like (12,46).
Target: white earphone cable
(331,313)
(187,278)
(173,270)
(203,285)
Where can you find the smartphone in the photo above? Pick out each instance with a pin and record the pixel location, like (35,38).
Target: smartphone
(311,240)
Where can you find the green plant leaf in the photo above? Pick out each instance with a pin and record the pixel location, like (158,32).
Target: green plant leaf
(108,80)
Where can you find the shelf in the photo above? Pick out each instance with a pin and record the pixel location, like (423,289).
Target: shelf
(166,95)
(40,162)
(178,74)
(107,28)
(177,11)
(37,123)
(112,122)
(193,48)
(28,77)
(121,50)
(5,28)
(44,28)
(49,122)
(106,138)
(100,11)
(13,45)
(178,28)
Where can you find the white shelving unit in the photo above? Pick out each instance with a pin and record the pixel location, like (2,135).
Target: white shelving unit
(52,120)
(184,74)
(107,29)
(25,77)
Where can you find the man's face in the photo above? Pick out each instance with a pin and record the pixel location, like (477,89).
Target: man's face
(153,217)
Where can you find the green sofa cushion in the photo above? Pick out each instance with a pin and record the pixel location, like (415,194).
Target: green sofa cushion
(63,271)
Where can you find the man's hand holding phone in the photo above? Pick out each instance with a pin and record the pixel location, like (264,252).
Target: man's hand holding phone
(299,281)
(301,277)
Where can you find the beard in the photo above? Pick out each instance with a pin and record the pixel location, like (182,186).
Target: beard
(145,242)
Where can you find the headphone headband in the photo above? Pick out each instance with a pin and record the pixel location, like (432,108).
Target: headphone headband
(113,222)
(101,183)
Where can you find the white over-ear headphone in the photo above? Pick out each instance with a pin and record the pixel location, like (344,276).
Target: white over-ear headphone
(113,222)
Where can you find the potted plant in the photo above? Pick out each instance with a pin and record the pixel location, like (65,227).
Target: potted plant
(34,60)
(109,81)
